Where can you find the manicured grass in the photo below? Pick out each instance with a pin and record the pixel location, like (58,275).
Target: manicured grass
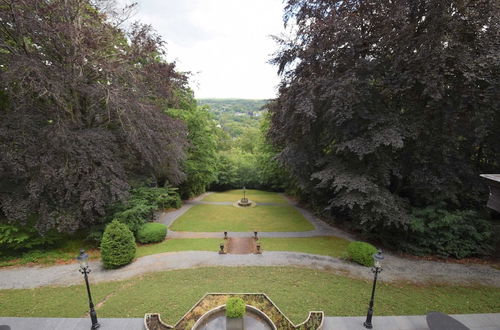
(296,291)
(327,246)
(257,196)
(229,218)
(180,244)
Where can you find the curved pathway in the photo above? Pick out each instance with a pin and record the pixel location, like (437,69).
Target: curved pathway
(395,269)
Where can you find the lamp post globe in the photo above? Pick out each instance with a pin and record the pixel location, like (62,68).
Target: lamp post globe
(377,268)
(85,270)
(83,259)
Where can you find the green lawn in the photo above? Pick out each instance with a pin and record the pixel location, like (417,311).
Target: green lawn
(64,252)
(180,244)
(229,218)
(296,291)
(328,246)
(257,196)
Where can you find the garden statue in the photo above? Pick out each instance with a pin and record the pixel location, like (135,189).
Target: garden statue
(244,201)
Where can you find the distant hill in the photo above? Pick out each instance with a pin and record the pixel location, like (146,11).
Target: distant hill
(236,115)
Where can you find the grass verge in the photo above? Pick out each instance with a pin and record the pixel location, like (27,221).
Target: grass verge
(296,291)
(210,218)
(324,245)
(329,246)
(180,244)
(65,252)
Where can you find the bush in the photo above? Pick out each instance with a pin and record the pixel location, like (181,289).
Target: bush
(160,198)
(136,215)
(235,308)
(152,232)
(460,234)
(95,234)
(16,237)
(142,204)
(117,245)
(361,252)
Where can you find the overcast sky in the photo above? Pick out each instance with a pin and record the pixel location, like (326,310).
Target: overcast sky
(224,43)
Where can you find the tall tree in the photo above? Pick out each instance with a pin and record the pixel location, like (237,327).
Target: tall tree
(200,164)
(78,112)
(389,104)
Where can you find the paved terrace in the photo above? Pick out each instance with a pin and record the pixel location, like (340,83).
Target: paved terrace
(473,321)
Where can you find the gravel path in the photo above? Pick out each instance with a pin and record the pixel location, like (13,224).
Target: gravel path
(395,269)
(167,218)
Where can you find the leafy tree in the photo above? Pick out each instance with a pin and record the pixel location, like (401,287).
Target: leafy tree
(79,114)
(389,104)
(201,162)
(271,174)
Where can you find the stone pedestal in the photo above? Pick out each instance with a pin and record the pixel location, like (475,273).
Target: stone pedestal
(234,323)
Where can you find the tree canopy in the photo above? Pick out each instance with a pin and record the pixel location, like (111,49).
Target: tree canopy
(80,115)
(388,105)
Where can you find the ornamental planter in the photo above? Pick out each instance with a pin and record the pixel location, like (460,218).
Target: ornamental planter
(212,305)
(234,323)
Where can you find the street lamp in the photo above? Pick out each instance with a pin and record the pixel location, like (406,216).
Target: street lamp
(84,269)
(377,268)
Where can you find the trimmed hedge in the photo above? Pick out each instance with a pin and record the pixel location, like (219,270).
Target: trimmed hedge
(235,308)
(361,252)
(152,232)
(117,245)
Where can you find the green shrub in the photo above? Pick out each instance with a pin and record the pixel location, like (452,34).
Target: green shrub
(152,232)
(160,198)
(117,245)
(95,234)
(16,237)
(235,307)
(143,202)
(361,252)
(460,234)
(136,215)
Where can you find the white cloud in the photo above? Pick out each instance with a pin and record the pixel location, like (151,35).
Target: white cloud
(224,43)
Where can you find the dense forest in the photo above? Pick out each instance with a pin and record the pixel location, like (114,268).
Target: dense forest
(244,156)
(386,115)
(388,112)
(236,116)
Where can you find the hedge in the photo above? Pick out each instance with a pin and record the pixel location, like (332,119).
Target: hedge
(361,252)
(152,232)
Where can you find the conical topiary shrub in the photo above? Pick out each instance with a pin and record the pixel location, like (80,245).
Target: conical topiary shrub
(117,245)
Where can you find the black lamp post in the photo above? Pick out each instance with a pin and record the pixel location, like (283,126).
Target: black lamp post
(84,269)
(377,268)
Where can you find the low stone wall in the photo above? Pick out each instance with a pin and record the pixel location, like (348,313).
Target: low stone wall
(259,301)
